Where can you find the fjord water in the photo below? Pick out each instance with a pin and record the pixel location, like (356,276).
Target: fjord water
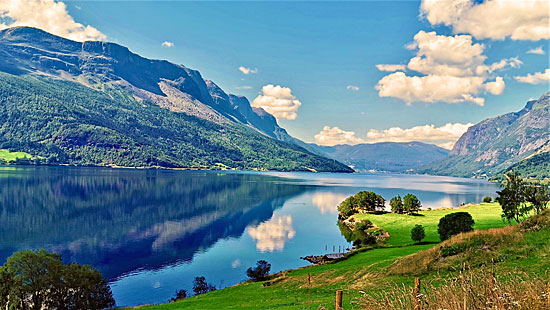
(150,232)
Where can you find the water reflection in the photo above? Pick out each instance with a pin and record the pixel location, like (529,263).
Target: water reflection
(273,234)
(328,202)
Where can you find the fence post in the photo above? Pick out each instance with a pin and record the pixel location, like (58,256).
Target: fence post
(417,305)
(339,300)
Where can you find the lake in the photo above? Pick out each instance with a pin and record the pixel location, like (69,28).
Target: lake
(150,232)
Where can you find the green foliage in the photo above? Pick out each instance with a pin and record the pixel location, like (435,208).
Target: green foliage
(536,167)
(200,286)
(512,198)
(38,279)
(411,204)
(454,223)
(261,271)
(396,204)
(363,225)
(453,249)
(67,123)
(363,201)
(537,196)
(180,294)
(487,199)
(417,233)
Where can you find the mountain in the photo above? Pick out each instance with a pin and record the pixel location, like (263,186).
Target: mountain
(496,144)
(534,167)
(385,156)
(97,103)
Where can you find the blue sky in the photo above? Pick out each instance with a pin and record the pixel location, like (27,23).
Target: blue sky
(317,50)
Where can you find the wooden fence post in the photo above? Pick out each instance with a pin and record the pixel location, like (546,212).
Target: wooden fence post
(417,304)
(339,294)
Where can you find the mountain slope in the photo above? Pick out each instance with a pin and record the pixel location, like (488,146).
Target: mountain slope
(96,103)
(497,143)
(385,156)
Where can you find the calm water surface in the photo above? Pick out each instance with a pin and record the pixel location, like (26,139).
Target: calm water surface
(151,232)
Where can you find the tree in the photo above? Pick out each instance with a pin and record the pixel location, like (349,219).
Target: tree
(454,223)
(417,233)
(537,196)
(511,198)
(396,204)
(411,204)
(200,286)
(487,199)
(366,201)
(261,271)
(346,208)
(180,294)
(39,279)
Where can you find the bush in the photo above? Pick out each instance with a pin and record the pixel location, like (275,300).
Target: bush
(200,286)
(411,204)
(417,233)
(181,294)
(363,225)
(453,249)
(454,223)
(396,204)
(261,271)
(39,280)
(487,199)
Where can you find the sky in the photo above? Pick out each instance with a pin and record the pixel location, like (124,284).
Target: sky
(335,72)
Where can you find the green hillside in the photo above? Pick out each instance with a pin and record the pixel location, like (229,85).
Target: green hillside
(508,250)
(536,167)
(67,123)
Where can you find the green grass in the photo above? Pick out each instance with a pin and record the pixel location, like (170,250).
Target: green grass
(12,156)
(366,270)
(485,215)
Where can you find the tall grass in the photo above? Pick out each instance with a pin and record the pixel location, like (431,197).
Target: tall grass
(470,290)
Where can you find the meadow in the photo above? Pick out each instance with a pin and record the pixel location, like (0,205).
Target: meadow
(8,156)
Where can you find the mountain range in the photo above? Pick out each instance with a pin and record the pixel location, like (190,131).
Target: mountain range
(496,144)
(384,156)
(97,103)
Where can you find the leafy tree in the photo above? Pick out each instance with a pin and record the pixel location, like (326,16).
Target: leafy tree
(180,294)
(396,204)
(38,280)
(411,204)
(417,233)
(511,198)
(261,271)
(346,208)
(487,199)
(366,201)
(454,223)
(200,286)
(537,196)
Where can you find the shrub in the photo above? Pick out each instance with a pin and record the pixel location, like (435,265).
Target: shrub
(261,271)
(363,225)
(454,223)
(487,199)
(417,233)
(411,204)
(396,204)
(200,286)
(181,294)
(453,249)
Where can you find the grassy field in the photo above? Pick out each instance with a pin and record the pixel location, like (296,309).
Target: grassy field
(364,271)
(12,156)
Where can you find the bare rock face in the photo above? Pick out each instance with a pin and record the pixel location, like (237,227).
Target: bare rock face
(497,143)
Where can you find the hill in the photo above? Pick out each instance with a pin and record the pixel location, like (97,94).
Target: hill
(384,156)
(497,143)
(508,251)
(96,103)
(536,167)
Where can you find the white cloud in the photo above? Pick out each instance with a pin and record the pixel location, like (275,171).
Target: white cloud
(47,15)
(444,136)
(243,87)
(491,19)
(278,101)
(391,68)
(236,263)
(335,135)
(453,69)
(246,70)
(273,234)
(167,44)
(537,50)
(351,87)
(535,78)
